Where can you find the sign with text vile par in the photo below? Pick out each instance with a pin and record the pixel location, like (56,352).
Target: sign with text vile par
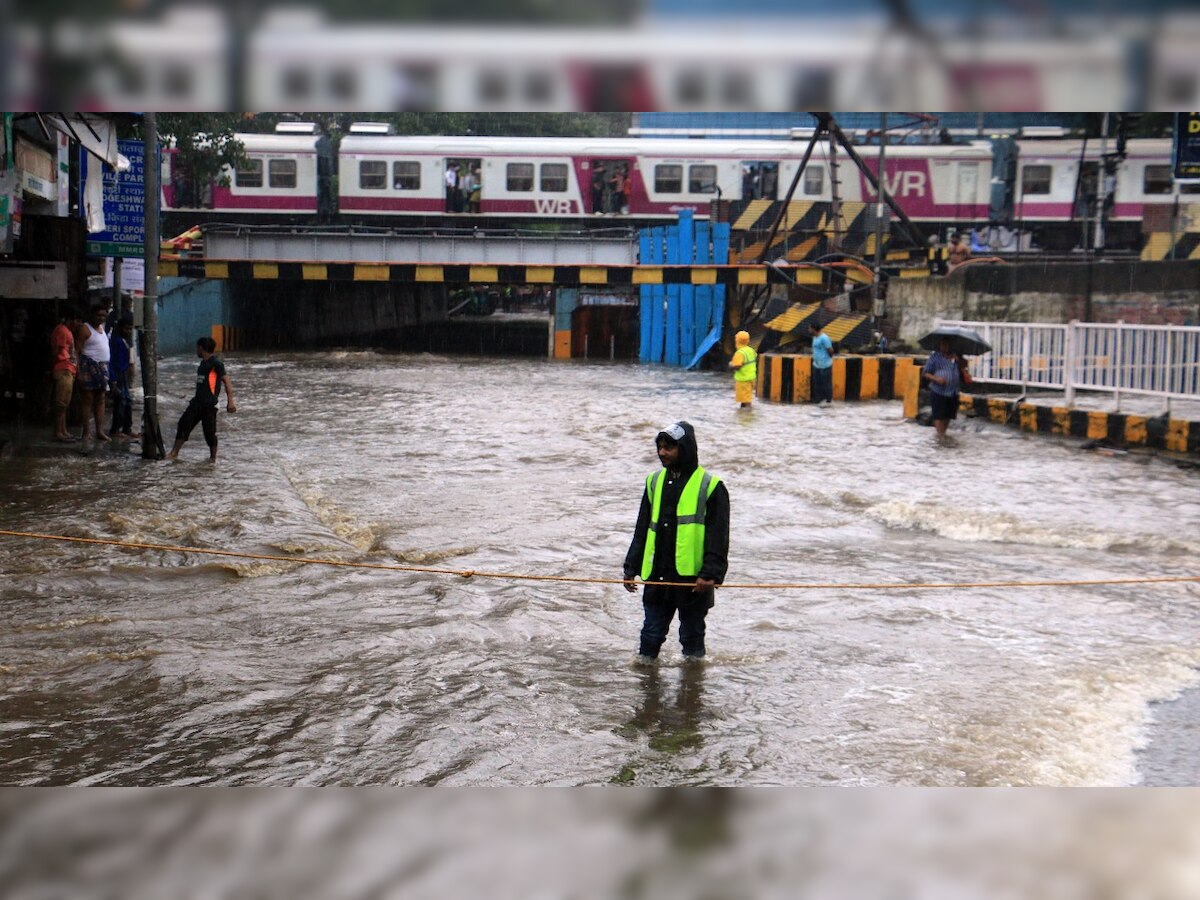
(124,204)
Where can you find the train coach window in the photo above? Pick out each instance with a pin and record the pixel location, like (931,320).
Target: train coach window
(814,180)
(554,178)
(1035,180)
(281,173)
(668,179)
(520,176)
(372,175)
(702,179)
(406,176)
(249,174)
(1157,180)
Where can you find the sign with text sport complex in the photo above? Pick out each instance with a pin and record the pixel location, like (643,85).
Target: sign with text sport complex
(124,204)
(1187,146)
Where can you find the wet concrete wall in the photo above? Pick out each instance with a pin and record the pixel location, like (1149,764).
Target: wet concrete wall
(1149,293)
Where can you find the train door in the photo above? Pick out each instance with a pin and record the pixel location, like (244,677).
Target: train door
(610,182)
(760,179)
(463,175)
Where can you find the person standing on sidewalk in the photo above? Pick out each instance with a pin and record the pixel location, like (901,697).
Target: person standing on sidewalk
(63,367)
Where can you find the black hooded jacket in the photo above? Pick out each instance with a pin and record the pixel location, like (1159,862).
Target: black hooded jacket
(716,522)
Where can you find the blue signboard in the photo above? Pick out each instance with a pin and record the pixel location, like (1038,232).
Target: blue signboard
(124,205)
(1187,146)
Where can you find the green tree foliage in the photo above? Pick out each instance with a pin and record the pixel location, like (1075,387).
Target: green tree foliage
(205,142)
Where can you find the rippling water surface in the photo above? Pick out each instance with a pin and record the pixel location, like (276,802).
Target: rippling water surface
(151,667)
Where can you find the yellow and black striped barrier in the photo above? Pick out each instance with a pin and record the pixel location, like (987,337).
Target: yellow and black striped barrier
(787,377)
(1117,429)
(559,275)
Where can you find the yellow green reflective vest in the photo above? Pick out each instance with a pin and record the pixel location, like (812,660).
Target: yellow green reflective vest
(747,371)
(689,537)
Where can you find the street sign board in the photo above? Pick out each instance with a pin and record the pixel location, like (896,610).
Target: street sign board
(1187,146)
(124,209)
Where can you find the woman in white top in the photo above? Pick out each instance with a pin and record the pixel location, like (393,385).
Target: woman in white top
(93,375)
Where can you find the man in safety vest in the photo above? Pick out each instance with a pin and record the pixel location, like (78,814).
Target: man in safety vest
(680,546)
(745,369)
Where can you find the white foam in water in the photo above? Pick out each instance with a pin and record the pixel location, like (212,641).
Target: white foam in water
(973,526)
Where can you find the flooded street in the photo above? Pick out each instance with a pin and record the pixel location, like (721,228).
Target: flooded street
(133,667)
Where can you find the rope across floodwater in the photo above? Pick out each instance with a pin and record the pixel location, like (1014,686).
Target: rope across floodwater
(516,576)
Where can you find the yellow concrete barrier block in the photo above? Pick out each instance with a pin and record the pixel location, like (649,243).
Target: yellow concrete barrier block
(801,379)
(839,378)
(908,376)
(1028,417)
(562,344)
(1177,435)
(869,386)
(776,378)
(1135,430)
(997,410)
(1097,425)
(1062,420)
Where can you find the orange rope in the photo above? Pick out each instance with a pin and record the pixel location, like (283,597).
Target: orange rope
(472,573)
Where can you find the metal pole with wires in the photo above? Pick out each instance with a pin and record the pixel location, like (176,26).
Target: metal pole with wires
(152,442)
(881,213)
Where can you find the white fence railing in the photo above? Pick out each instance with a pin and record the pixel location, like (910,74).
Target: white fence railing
(1147,360)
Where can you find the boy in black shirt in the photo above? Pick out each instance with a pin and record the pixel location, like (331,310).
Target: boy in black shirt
(210,375)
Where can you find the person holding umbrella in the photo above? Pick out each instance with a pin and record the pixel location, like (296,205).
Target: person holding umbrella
(945,370)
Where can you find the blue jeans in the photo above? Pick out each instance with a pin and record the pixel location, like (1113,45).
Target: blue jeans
(660,605)
(822,384)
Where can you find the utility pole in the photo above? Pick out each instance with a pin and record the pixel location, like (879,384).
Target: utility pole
(880,213)
(152,442)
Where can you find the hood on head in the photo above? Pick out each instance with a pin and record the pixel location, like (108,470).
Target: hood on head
(741,339)
(685,435)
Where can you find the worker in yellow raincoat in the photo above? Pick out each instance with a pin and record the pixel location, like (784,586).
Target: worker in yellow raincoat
(745,369)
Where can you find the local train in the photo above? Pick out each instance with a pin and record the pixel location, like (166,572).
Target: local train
(1048,190)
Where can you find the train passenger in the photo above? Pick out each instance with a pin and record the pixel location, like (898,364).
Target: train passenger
(476,195)
(599,186)
(466,184)
(452,187)
(619,203)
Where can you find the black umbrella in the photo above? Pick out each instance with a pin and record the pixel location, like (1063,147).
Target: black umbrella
(963,341)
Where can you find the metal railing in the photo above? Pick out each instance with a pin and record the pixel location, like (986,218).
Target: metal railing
(1145,360)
